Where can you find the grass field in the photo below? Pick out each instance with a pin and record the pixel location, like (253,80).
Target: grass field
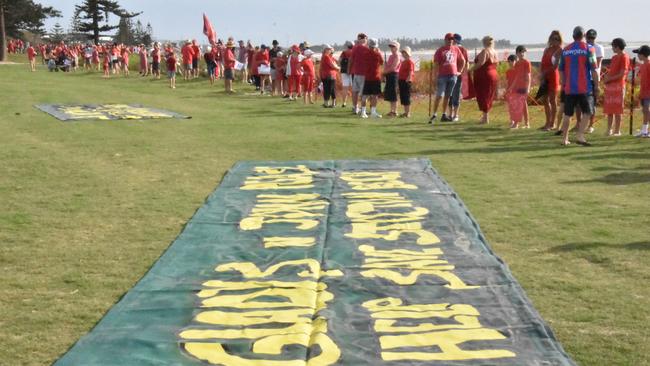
(88,207)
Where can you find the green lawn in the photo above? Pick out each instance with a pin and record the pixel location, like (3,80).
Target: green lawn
(87,207)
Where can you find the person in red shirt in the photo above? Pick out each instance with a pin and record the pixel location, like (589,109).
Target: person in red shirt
(328,70)
(346,78)
(521,83)
(125,53)
(262,67)
(95,58)
(280,63)
(196,54)
(171,69)
(107,62)
(31,55)
(448,60)
(294,71)
(229,61)
(550,75)
(155,60)
(615,87)
(372,80)
(405,77)
(358,64)
(644,94)
(188,58)
(308,77)
(456,94)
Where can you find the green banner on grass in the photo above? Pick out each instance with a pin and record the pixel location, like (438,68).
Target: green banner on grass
(76,112)
(325,263)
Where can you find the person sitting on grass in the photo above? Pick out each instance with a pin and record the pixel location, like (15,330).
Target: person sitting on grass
(308,76)
(171,70)
(615,88)
(644,93)
(520,87)
(405,77)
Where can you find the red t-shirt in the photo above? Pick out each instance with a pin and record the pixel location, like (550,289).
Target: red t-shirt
(406,70)
(171,63)
(155,55)
(295,64)
(359,57)
(327,69)
(522,67)
(196,51)
(373,69)
(644,75)
(308,67)
(31,53)
(228,59)
(447,58)
(188,54)
(280,66)
(125,56)
(619,63)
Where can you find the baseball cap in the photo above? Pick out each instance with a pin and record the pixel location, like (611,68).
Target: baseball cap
(449,36)
(592,33)
(275,42)
(458,37)
(327,47)
(521,49)
(643,50)
(308,53)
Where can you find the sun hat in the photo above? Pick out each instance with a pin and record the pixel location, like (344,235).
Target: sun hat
(327,47)
(305,44)
(308,53)
(230,44)
(643,50)
(406,50)
(373,43)
(393,44)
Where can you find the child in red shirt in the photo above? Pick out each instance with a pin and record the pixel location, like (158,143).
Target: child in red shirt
(644,95)
(308,76)
(405,78)
(520,87)
(615,87)
(294,71)
(31,55)
(171,70)
(280,63)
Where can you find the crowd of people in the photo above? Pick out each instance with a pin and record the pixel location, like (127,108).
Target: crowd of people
(569,75)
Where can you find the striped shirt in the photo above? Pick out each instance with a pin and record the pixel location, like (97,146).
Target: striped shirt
(577,62)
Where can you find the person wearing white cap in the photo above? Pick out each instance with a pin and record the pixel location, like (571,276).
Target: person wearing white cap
(357,69)
(308,76)
(328,71)
(390,75)
(372,81)
(346,78)
(405,76)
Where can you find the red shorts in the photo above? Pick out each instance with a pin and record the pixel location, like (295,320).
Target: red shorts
(307,83)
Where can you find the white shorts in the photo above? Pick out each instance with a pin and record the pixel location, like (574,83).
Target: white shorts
(357,83)
(346,80)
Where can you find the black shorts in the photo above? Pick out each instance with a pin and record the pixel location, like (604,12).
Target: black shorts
(405,92)
(372,87)
(195,64)
(562,97)
(228,74)
(584,101)
(390,90)
(155,66)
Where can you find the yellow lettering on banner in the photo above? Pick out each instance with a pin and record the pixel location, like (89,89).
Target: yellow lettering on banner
(299,209)
(368,181)
(372,219)
(389,265)
(250,270)
(446,337)
(272,303)
(81,112)
(298,177)
(285,242)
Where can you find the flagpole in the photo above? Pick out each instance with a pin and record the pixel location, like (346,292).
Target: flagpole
(632,99)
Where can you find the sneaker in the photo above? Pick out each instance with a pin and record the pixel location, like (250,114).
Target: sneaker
(343,106)
(375,115)
(363,115)
(455,119)
(591,130)
(355,110)
(444,118)
(642,134)
(432,119)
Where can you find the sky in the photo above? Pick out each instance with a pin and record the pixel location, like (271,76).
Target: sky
(334,21)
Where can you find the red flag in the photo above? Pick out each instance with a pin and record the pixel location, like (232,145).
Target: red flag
(208,30)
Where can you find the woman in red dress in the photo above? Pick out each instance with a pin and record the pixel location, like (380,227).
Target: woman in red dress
(550,76)
(486,78)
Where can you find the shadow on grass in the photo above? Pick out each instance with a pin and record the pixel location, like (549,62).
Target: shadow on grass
(577,247)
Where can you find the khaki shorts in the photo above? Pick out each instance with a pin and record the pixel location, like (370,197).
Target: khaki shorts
(357,83)
(346,80)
